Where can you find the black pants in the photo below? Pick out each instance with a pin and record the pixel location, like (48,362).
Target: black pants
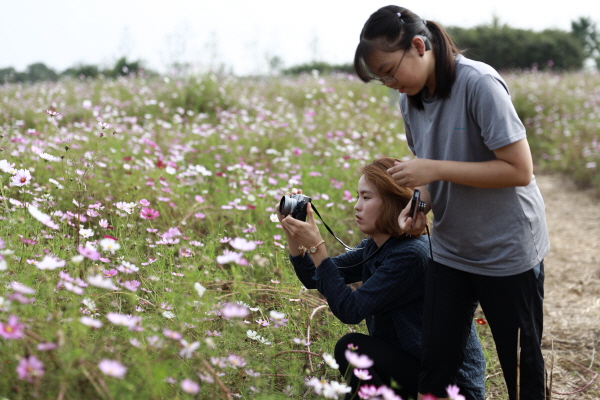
(510,304)
(388,363)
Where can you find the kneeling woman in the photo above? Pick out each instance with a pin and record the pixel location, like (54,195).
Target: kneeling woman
(393,284)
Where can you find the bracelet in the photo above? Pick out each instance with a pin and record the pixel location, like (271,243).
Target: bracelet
(302,250)
(313,249)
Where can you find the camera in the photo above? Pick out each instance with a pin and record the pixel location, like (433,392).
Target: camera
(294,205)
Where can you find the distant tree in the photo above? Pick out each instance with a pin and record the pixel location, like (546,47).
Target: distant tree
(504,47)
(586,31)
(321,66)
(124,67)
(40,72)
(86,71)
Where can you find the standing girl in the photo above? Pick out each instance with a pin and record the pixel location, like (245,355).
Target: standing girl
(475,171)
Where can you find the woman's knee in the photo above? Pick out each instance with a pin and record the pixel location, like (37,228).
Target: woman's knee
(342,344)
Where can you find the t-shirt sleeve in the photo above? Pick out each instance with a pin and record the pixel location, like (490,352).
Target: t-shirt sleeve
(494,112)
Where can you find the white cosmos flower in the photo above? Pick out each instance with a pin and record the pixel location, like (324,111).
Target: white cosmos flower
(330,360)
(43,218)
(101,282)
(111,245)
(49,157)
(50,262)
(199,288)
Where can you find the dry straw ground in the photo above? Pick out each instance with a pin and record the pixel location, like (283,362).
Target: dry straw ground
(571,338)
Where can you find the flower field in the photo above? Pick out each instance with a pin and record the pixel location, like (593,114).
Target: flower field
(140,257)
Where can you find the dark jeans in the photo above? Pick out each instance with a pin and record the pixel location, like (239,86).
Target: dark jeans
(388,363)
(509,303)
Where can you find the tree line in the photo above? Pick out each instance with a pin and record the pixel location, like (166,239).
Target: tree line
(496,44)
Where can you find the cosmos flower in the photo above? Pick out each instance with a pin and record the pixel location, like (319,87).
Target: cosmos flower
(232,310)
(358,360)
(189,386)
(30,368)
(330,360)
(49,157)
(453,392)
(109,245)
(91,322)
(12,329)
(5,166)
(362,374)
(188,349)
(149,213)
(21,178)
(242,244)
(112,368)
(50,262)
(41,217)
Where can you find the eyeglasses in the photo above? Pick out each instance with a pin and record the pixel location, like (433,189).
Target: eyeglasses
(390,79)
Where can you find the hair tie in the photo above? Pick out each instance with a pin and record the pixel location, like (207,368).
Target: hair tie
(399,15)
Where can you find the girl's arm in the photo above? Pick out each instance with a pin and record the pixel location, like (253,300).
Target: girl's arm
(513,167)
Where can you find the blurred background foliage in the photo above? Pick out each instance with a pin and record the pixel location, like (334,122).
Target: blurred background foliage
(497,44)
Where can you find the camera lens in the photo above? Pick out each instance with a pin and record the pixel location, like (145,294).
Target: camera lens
(286,205)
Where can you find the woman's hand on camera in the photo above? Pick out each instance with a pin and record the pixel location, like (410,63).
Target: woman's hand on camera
(408,224)
(294,191)
(305,233)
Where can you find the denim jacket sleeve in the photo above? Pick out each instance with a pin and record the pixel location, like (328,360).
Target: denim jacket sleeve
(394,275)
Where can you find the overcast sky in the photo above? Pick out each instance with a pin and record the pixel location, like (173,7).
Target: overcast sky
(239,34)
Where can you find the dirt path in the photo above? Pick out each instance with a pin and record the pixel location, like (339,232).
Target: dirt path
(572,287)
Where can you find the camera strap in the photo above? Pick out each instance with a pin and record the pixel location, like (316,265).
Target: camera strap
(333,234)
(360,248)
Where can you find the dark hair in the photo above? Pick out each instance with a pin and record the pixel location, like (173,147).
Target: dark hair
(388,32)
(394,197)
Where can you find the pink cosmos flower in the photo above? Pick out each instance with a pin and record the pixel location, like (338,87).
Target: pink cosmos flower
(20,288)
(30,368)
(131,285)
(232,310)
(46,346)
(89,252)
(149,213)
(189,386)
(236,361)
(91,322)
(242,244)
(358,360)
(172,334)
(144,202)
(453,392)
(362,374)
(21,178)
(188,349)
(12,329)
(112,368)
(108,273)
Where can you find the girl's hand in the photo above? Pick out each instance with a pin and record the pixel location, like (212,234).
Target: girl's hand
(409,225)
(305,233)
(414,173)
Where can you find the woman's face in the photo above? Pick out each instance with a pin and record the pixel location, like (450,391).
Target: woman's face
(367,207)
(411,72)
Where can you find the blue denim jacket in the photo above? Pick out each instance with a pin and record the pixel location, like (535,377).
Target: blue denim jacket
(390,299)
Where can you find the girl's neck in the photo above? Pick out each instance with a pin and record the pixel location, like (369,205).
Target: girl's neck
(380,238)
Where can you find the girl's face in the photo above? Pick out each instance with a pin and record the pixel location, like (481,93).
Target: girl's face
(411,71)
(367,207)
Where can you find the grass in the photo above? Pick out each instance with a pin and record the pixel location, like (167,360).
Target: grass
(212,155)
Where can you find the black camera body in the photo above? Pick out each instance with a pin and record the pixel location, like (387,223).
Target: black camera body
(294,205)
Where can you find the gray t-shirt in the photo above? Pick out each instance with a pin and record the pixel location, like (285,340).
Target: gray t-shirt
(494,232)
